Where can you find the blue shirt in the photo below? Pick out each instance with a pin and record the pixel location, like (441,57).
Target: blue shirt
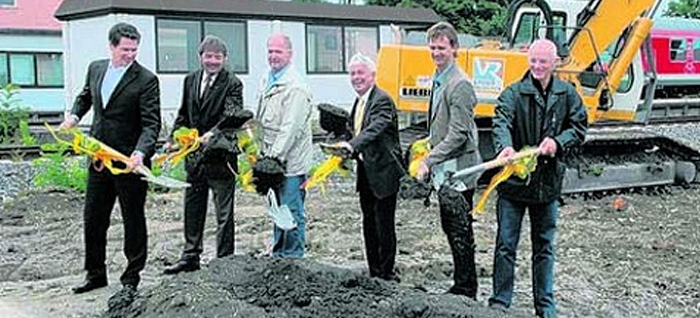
(438,80)
(274,77)
(112,77)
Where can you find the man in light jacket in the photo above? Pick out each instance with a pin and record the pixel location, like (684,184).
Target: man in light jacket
(284,112)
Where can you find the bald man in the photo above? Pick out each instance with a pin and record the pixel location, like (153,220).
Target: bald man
(540,111)
(284,111)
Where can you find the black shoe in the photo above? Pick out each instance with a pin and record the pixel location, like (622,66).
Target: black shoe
(498,306)
(390,278)
(122,298)
(456,290)
(90,284)
(181,266)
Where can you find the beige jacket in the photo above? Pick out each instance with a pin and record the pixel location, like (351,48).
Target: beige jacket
(284,112)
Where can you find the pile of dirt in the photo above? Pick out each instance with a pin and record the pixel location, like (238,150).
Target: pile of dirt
(244,286)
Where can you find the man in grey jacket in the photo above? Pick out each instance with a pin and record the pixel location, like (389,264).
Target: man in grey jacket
(284,112)
(454,141)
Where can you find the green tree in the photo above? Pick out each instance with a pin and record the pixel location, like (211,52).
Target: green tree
(684,8)
(476,17)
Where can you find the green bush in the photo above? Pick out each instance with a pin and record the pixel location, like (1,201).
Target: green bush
(58,169)
(13,113)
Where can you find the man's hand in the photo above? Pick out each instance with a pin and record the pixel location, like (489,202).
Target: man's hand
(204,139)
(135,161)
(423,171)
(67,123)
(507,154)
(548,147)
(346,146)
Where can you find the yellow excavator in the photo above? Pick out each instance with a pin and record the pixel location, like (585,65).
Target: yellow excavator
(599,43)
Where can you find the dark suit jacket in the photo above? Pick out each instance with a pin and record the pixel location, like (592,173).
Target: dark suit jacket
(130,120)
(224,97)
(378,142)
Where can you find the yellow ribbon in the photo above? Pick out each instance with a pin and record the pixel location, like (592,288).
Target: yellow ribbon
(420,149)
(250,150)
(101,154)
(522,168)
(186,140)
(319,175)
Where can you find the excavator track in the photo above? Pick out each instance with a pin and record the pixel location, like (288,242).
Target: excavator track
(619,158)
(614,160)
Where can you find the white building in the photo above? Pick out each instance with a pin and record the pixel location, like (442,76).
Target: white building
(31,52)
(324,36)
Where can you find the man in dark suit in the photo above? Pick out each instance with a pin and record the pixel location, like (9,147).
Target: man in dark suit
(209,95)
(125,99)
(376,146)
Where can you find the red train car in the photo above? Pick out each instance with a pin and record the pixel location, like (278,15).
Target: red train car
(676,46)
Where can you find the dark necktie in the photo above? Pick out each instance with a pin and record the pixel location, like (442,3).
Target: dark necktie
(207,85)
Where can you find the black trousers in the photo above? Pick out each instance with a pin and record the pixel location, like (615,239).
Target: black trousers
(457,224)
(222,182)
(378,229)
(103,188)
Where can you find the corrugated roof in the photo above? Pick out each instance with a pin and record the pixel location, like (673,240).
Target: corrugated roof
(247,9)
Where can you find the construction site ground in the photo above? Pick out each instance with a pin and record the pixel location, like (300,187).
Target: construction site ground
(628,255)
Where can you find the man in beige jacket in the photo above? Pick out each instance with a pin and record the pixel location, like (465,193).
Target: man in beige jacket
(284,112)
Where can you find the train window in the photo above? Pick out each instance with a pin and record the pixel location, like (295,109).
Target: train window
(696,49)
(678,50)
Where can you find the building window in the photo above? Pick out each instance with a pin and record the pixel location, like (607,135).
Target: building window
(696,50)
(329,48)
(178,40)
(234,34)
(9,3)
(27,69)
(22,69)
(361,40)
(677,50)
(4,74)
(49,69)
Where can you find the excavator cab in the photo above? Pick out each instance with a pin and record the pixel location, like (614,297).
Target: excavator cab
(598,41)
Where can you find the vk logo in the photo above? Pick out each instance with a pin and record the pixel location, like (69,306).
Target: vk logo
(488,74)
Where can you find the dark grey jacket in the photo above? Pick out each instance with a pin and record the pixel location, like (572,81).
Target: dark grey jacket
(225,96)
(523,119)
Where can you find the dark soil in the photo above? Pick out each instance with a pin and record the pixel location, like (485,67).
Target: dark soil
(263,287)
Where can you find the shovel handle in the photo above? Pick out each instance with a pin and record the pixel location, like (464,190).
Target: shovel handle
(495,163)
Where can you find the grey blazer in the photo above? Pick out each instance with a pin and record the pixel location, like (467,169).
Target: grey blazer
(453,132)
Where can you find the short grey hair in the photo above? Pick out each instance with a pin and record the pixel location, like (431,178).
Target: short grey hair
(213,43)
(365,60)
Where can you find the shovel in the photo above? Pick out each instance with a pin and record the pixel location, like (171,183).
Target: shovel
(495,163)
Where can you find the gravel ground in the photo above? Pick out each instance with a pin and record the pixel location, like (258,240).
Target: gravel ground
(638,259)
